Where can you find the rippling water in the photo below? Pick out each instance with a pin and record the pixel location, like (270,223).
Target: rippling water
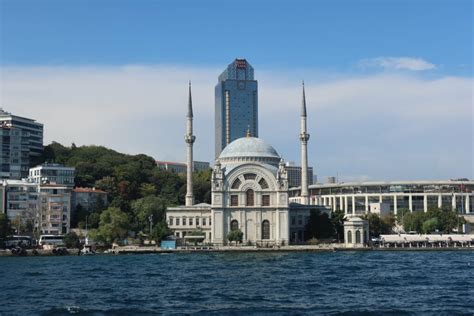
(394,283)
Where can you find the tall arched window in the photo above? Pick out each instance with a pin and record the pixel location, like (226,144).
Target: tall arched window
(358,237)
(250,198)
(265,229)
(234,225)
(349,237)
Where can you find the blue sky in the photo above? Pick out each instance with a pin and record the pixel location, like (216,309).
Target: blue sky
(389,83)
(272,34)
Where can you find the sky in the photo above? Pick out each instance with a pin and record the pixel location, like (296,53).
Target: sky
(389,84)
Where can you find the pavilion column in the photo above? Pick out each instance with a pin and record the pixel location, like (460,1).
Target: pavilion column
(425,203)
(341,202)
(410,202)
(346,208)
(453,202)
(366,203)
(468,205)
(395,206)
(334,203)
(353,205)
(440,201)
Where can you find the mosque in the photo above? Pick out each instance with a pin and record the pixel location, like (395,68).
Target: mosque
(249,193)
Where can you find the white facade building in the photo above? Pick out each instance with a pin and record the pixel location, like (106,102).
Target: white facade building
(53,173)
(54,209)
(20,200)
(249,193)
(356,197)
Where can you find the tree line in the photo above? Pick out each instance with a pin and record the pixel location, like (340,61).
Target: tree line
(138,191)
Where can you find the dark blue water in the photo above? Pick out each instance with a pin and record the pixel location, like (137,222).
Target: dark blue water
(364,283)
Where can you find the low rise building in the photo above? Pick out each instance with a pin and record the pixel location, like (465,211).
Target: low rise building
(53,173)
(20,202)
(356,197)
(88,198)
(54,209)
(180,167)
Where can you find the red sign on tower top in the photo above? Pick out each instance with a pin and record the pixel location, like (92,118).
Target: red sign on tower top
(241,63)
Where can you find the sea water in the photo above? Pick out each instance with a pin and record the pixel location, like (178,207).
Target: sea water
(280,283)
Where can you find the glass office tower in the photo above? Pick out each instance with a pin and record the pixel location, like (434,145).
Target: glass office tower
(21,145)
(236,108)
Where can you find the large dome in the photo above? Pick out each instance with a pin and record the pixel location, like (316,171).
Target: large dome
(249,148)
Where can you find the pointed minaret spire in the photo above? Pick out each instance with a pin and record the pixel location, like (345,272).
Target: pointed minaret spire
(189,138)
(304,137)
(190,102)
(303,103)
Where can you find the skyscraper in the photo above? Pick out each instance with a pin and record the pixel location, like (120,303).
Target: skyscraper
(236,110)
(21,144)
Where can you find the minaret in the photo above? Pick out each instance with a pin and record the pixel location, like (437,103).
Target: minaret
(304,137)
(189,138)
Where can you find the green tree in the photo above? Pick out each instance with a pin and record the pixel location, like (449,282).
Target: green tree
(319,225)
(414,221)
(149,205)
(235,235)
(430,225)
(114,225)
(379,224)
(160,231)
(147,189)
(337,219)
(71,240)
(5,228)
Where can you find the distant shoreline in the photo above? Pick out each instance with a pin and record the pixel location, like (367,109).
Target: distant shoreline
(153,250)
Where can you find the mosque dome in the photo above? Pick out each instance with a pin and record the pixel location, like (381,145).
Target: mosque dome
(249,149)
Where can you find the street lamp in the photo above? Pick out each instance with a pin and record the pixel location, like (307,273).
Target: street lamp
(150,218)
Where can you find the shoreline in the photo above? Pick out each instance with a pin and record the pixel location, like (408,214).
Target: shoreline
(156,250)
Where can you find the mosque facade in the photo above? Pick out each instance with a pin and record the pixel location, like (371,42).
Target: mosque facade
(250,194)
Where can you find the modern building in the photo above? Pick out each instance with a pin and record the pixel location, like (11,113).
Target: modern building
(20,201)
(180,167)
(54,209)
(357,197)
(53,173)
(294,174)
(21,144)
(236,104)
(15,152)
(88,198)
(249,192)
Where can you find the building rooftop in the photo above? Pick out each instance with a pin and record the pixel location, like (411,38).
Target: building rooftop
(88,190)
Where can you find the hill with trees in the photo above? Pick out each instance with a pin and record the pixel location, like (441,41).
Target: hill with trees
(137,189)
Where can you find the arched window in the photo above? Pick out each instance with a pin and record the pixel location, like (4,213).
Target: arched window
(234,225)
(250,198)
(263,184)
(358,237)
(250,176)
(236,184)
(265,229)
(349,237)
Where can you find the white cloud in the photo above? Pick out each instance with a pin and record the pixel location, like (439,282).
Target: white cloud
(398,63)
(378,127)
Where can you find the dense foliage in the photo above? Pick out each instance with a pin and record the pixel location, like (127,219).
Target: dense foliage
(5,227)
(443,221)
(136,189)
(379,224)
(235,236)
